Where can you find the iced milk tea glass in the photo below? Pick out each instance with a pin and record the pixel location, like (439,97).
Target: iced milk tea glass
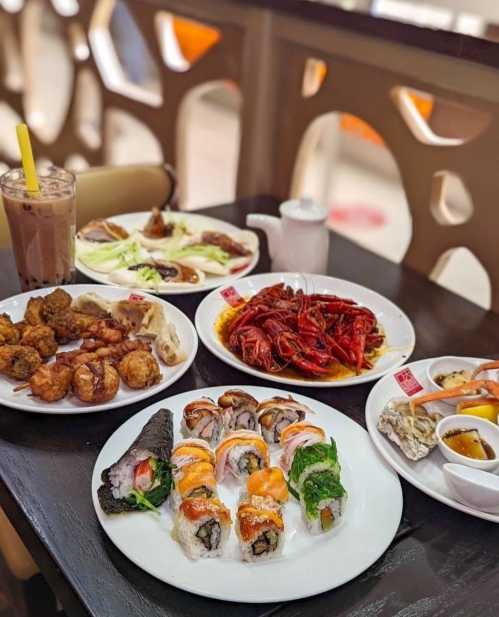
(42,227)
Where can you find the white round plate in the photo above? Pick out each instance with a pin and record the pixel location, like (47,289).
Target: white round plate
(309,564)
(399,331)
(427,474)
(137,220)
(15,307)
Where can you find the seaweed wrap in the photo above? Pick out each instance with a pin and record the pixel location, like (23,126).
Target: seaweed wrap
(311,459)
(239,410)
(141,479)
(202,527)
(322,499)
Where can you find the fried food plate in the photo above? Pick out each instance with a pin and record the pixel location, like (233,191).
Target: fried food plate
(398,329)
(426,474)
(137,220)
(309,564)
(15,307)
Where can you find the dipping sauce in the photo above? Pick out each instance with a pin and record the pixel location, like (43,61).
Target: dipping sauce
(469,443)
(454,379)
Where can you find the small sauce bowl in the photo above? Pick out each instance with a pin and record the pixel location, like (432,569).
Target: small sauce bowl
(446,365)
(487,431)
(473,487)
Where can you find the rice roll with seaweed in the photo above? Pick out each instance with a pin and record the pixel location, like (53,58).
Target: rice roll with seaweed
(190,451)
(268,482)
(203,419)
(260,528)
(298,435)
(239,410)
(277,413)
(241,453)
(141,479)
(322,498)
(311,459)
(202,527)
(194,480)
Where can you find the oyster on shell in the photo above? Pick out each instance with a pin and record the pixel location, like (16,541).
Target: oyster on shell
(414,433)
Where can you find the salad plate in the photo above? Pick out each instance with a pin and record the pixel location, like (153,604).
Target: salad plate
(426,474)
(195,255)
(337,301)
(309,564)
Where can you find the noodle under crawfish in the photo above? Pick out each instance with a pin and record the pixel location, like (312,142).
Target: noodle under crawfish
(279,328)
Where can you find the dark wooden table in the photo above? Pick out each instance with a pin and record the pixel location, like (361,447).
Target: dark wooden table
(442,563)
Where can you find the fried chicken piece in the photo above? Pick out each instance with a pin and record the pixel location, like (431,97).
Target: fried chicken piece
(75,358)
(65,326)
(139,369)
(107,330)
(19,361)
(21,326)
(51,382)
(83,321)
(33,312)
(57,301)
(96,381)
(41,338)
(9,335)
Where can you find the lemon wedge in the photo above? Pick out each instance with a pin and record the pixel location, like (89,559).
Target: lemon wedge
(488,411)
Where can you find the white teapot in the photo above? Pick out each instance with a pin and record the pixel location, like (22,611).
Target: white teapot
(299,240)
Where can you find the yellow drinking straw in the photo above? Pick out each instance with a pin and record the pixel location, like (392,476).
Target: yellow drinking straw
(28,162)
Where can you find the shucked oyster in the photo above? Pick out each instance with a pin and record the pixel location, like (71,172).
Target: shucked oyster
(413,432)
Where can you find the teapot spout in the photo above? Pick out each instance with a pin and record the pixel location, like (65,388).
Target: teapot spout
(271,225)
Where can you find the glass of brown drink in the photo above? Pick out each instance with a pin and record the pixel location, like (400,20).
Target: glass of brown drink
(42,227)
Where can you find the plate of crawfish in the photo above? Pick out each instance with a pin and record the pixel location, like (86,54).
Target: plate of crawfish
(305,329)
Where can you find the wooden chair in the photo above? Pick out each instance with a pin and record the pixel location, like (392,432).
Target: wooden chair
(105,191)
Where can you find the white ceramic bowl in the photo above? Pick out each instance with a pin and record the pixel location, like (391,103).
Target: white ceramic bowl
(445,365)
(473,487)
(488,431)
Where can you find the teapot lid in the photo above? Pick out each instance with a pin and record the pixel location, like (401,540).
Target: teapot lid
(304,209)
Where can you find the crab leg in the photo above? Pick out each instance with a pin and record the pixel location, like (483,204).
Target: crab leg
(492,387)
(486,366)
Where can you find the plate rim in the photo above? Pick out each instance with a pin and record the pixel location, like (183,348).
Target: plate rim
(95,479)
(113,404)
(102,279)
(377,438)
(290,381)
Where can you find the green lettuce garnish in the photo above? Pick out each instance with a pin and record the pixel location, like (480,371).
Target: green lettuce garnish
(318,487)
(151,500)
(210,251)
(312,455)
(149,275)
(127,253)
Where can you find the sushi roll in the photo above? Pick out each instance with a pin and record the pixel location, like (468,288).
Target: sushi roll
(260,528)
(322,499)
(202,527)
(277,413)
(141,479)
(239,411)
(190,451)
(195,480)
(268,482)
(241,453)
(312,459)
(296,435)
(204,420)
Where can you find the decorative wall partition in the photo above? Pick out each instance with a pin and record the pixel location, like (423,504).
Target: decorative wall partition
(265,52)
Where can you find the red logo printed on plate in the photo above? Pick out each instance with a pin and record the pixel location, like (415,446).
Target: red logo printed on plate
(135,298)
(231,296)
(406,380)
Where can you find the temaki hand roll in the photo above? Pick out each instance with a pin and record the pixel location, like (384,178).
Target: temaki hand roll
(239,411)
(141,479)
(203,419)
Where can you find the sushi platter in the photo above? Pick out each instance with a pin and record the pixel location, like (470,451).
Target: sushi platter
(345,333)
(413,447)
(193,490)
(165,252)
(88,348)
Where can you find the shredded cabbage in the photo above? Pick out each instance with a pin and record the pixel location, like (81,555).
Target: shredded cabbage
(126,252)
(210,251)
(149,275)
